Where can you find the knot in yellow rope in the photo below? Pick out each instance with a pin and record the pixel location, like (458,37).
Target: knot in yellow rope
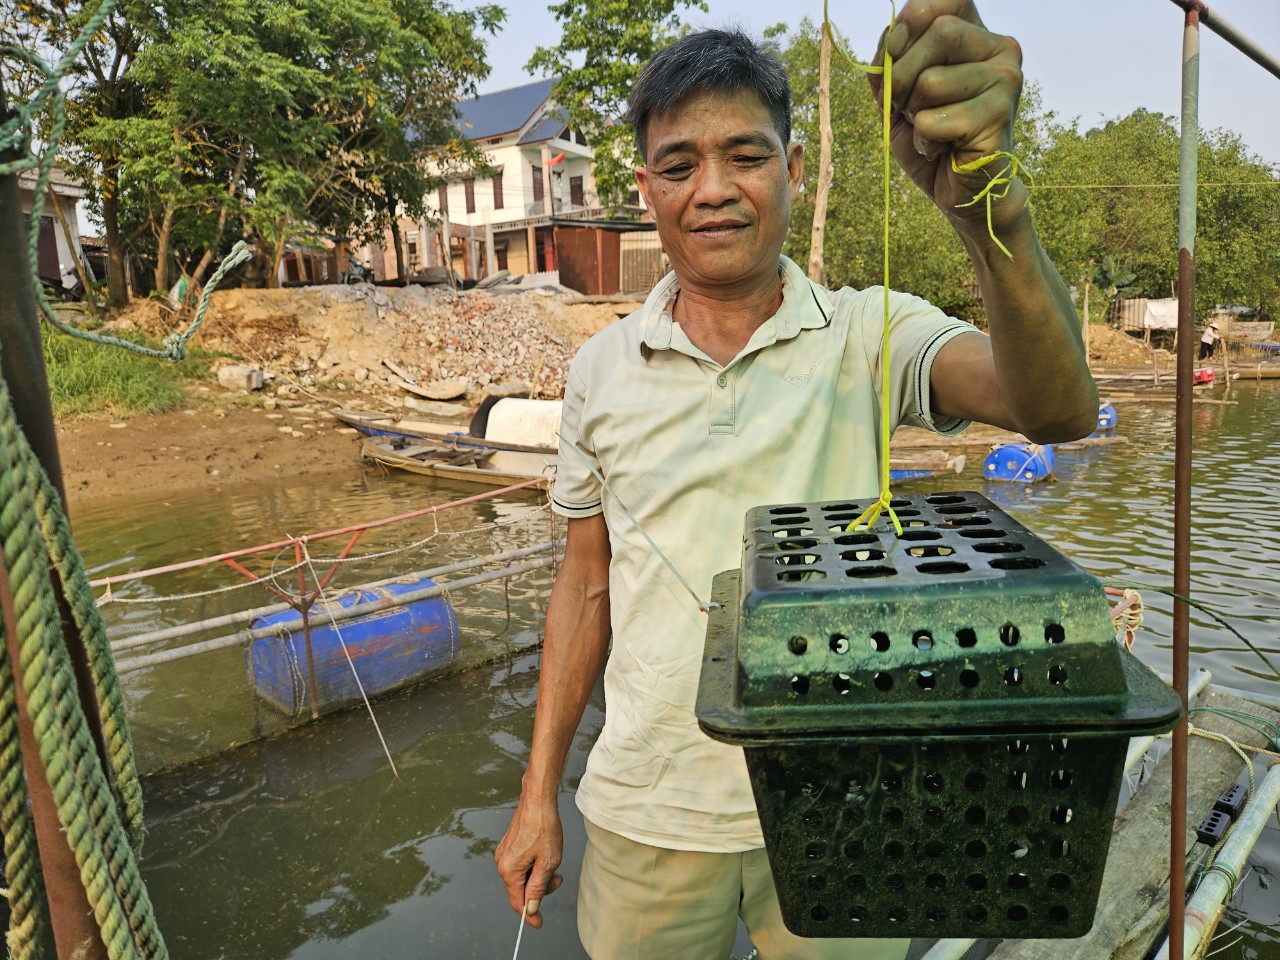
(997,188)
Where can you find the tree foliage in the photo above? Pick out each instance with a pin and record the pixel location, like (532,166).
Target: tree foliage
(603,46)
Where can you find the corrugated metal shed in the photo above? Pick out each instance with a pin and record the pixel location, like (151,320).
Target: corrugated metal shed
(502,112)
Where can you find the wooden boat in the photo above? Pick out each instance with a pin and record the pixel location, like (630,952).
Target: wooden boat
(462,459)
(924,465)
(526,426)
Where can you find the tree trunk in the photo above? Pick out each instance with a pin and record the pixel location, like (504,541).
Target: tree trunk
(117,282)
(162,249)
(207,257)
(73,245)
(277,254)
(826,171)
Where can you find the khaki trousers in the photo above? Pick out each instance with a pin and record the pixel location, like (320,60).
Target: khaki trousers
(637,902)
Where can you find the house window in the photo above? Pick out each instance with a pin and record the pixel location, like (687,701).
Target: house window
(469,186)
(537,184)
(442,196)
(497,193)
(414,262)
(575,191)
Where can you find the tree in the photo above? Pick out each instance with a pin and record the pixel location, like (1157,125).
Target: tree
(603,46)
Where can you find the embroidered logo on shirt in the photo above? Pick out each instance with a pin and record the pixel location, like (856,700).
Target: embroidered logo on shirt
(801,380)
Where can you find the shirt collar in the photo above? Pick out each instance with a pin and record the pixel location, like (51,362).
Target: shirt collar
(805,306)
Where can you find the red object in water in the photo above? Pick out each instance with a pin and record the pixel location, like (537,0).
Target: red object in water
(1203,375)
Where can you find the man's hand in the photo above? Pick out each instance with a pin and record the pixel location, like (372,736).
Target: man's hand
(955,88)
(528,856)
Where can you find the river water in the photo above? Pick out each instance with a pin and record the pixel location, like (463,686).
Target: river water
(304,845)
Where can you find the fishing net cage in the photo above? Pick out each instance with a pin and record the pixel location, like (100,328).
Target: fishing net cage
(934,723)
(220,654)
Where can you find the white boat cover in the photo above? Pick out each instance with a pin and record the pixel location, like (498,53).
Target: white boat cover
(531,422)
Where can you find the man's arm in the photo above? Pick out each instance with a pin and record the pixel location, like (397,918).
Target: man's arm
(955,92)
(574,648)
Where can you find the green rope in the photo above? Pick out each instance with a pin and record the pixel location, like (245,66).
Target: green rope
(15,139)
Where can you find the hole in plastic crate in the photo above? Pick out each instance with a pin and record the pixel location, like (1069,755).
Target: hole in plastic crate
(883,681)
(1060,779)
(976,849)
(1060,745)
(934,782)
(918,535)
(815,851)
(853,816)
(817,881)
(839,643)
(879,641)
(934,816)
(797,645)
(975,780)
(856,882)
(1013,677)
(930,550)
(794,532)
(853,850)
(796,559)
(982,534)
(966,637)
(894,815)
(1057,674)
(1017,913)
(1018,881)
(969,678)
(1054,633)
(898,503)
(1017,780)
(1059,914)
(895,881)
(858,914)
(858,556)
(1061,814)
(1018,849)
(942,567)
(934,849)
(897,914)
(842,520)
(942,499)
(1017,563)
(1001,546)
(922,639)
(1060,848)
(787,510)
(970,522)
(926,680)
(819,913)
(1017,748)
(813,818)
(840,506)
(842,683)
(800,684)
(868,573)
(1059,882)
(1010,635)
(976,882)
(891,783)
(975,912)
(976,816)
(801,575)
(1018,814)
(958,510)
(902,514)
(913,522)
(935,883)
(856,539)
(936,914)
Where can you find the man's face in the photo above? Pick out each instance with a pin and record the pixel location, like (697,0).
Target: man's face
(719,182)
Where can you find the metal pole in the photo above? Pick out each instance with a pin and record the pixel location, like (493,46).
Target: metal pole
(1230,34)
(1183,447)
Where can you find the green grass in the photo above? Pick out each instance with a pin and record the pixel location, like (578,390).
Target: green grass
(87,378)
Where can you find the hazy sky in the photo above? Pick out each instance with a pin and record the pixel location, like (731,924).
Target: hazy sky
(1093,59)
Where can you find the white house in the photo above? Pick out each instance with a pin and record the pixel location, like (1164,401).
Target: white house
(55,256)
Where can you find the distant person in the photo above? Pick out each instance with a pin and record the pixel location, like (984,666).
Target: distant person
(1209,341)
(739,383)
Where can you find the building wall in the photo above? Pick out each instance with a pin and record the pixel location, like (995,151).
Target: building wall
(67,254)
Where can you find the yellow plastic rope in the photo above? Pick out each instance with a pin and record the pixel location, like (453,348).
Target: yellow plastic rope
(996,188)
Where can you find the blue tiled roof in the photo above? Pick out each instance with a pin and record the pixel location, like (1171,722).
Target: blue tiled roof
(502,112)
(546,128)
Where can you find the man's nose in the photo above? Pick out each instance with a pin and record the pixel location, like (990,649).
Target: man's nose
(716,184)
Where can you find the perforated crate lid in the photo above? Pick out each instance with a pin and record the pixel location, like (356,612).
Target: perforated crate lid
(967,624)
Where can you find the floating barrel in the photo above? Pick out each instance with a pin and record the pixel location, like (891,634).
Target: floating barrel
(390,646)
(1106,417)
(1019,462)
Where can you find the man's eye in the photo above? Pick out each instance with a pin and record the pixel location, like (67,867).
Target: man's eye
(749,160)
(678,171)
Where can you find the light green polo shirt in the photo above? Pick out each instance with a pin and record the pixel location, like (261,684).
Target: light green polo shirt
(689,446)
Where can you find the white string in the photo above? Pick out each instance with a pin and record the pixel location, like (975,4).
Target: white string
(703,605)
(519,933)
(328,608)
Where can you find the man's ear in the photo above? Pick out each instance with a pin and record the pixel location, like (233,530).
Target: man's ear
(642,184)
(795,168)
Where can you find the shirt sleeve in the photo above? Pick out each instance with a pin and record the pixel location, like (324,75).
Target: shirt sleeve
(917,332)
(576,492)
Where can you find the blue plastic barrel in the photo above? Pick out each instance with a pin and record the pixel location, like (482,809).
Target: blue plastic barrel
(1019,463)
(390,648)
(1106,417)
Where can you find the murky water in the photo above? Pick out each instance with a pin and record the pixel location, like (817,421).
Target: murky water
(305,845)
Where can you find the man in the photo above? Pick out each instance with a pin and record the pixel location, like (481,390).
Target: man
(1208,342)
(740,383)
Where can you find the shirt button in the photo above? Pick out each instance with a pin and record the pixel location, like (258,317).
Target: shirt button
(722,380)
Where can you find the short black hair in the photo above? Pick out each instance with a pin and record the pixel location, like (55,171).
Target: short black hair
(716,60)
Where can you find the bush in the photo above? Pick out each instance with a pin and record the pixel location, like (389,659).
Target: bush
(86,377)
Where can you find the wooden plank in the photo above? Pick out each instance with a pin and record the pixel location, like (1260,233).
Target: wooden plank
(1137,874)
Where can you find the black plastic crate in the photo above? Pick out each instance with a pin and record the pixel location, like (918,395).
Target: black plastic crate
(935,723)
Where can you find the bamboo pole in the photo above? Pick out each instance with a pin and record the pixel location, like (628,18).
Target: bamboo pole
(826,165)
